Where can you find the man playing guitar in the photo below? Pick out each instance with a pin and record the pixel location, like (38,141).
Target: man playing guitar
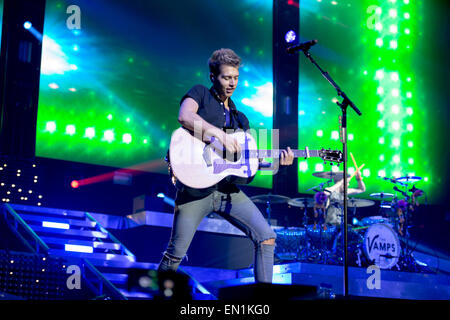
(213,111)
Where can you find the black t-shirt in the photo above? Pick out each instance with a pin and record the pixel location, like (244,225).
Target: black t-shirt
(212,110)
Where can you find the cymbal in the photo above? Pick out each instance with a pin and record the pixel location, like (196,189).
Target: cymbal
(338,175)
(301,202)
(271,198)
(409,179)
(356,203)
(381,195)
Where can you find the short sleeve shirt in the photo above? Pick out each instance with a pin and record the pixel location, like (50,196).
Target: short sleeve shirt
(212,110)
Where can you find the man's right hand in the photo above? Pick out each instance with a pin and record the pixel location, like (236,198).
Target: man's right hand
(230,143)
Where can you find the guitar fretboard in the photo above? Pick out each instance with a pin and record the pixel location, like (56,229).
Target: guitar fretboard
(277,152)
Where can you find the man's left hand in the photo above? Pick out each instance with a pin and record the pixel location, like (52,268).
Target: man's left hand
(287,157)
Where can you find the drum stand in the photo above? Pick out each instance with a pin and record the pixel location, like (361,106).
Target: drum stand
(318,254)
(305,217)
(323,252)
(408,260)
(268,211)
(339,230)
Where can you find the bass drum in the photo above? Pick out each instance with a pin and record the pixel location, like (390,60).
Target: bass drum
(355,253)
(291,242)
(369,221)
(320,238)
(382,246)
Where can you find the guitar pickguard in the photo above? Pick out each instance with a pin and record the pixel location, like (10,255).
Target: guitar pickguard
(220,165)
(207,155)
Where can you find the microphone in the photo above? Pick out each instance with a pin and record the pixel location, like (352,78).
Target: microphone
(301,46)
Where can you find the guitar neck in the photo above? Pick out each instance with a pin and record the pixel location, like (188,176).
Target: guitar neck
(275,153)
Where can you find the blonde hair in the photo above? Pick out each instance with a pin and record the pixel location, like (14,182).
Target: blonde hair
(223,57)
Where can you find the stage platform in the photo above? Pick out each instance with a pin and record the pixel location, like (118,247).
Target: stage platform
(113,256)
(394,284)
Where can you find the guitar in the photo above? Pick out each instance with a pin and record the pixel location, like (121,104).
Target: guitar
(201,165)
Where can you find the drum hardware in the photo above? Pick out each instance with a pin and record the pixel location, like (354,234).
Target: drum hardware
(269,199)
(386,205)
(399,214)
(291,243)
(394,181)
(355,203)
(355,241)
(320,186)
(359,228)
(320,242)
(323,244)
(381,195)
(369,221)
(403,193)
(382,246)
(331,175)
(402,208)
(317,239)
(358,255)
(408,179)
(303,203)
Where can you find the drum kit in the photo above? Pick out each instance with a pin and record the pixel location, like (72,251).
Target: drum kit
(372,240)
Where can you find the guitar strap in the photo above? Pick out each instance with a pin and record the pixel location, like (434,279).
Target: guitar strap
(235,115)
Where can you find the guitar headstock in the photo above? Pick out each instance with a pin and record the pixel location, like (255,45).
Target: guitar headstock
(331,155)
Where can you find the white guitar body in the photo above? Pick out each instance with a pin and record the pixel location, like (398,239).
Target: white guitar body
(200,165)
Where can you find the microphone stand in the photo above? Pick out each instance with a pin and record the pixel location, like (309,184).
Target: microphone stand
(343,124)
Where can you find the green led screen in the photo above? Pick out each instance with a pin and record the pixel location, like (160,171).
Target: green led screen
(372,49)
(110,89)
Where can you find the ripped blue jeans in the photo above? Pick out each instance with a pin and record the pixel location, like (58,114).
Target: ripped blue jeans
(236,208)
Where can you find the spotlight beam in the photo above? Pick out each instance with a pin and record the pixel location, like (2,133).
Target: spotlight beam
(29,26)
(133,170)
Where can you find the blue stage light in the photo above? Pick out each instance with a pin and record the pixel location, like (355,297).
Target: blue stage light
(290,36)
(56,225)
(160,195)
(27,25)
(78,248)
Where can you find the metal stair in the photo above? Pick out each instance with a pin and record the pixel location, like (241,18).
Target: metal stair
(77,234)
